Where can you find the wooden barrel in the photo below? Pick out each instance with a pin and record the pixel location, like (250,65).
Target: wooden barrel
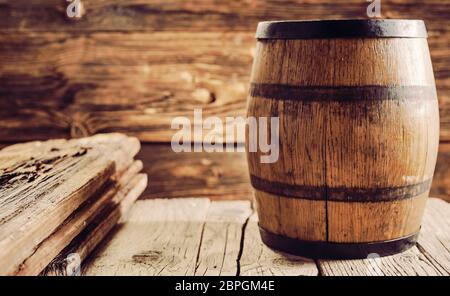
(358,135)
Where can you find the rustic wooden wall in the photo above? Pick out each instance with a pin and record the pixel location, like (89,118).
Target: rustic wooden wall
(132,65)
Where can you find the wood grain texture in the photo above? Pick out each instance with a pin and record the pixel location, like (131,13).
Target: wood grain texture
(409,263)
(96,231)
(77,221)
(430,257)
(202,174)
(131,15)
(213,175)
(222,238)
(31,213)
(95,74)
(77,84)
(434,239)
(258,260)
(160,237)
(218,238)
(44,182)
(225,175)
(359,131)
(373,61)
(297,218)
(118,147)
(132,65)
(353,222)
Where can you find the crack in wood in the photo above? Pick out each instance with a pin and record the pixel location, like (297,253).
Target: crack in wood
(224,250)
(223,239)
(197,263)
(241,245)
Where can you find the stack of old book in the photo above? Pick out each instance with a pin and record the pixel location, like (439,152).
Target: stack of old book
(60,198)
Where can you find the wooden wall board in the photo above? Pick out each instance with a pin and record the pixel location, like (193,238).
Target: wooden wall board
(198,16)
(213,175)
(80,84)
(133,65)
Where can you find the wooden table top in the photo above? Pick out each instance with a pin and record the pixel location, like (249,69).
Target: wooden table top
(196,236)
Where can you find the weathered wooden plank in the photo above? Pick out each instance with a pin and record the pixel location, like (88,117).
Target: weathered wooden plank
(222,237)
(408,263)
(434,239)
(214,175)
(73,225)
(43,183)
(159,245)
(104,221)
(259,260)
(179,15)
(219,244)
(160,237)
(31,212)
(430,257)
(115,146)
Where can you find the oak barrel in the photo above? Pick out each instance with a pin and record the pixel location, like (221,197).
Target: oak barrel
(358,135)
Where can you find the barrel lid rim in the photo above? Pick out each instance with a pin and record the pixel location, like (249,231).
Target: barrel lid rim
(341,28)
